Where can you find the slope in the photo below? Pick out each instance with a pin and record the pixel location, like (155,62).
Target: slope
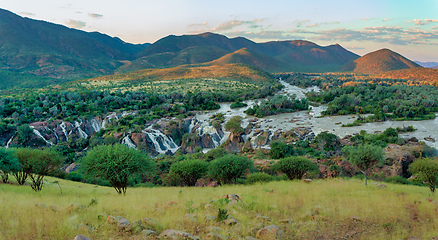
(419,73)
(380,61)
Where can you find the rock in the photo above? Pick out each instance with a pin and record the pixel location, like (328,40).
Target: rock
(81,237)
(214,229)
(286,220)
(101,216)
(173,234)
(72,167)
(133,225)
(264,218)
(147,233)
(230,221)
(112,219)
(216,236)
(210,218)
(122,223)
(151,224)
(307,180)
(250,238)
(269,233)
(232,197)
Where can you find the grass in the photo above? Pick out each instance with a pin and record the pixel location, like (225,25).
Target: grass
(323,209)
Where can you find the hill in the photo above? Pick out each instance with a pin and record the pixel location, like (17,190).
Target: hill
(382,60)
(195,49)
(427,64)
(50,50)
(418,73)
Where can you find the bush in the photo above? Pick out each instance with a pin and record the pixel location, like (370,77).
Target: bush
(426,170)
(258,177)
(189,171)
(295,167)
(229,168)
(117,163)
(397,179)
(280,150)
(8,163)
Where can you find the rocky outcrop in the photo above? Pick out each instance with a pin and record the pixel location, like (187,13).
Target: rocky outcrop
(234,143)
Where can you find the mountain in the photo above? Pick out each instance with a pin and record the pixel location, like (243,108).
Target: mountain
(50,50)
(296,55)
(380,61)
(418,74)
(427,64)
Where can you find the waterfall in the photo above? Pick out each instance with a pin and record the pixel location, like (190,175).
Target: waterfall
(82,134)
(96,125)
(36,132)
(56,135)
(162,143)
(128,142)
(206,129)
(193,122)
(64,130)
(9,141)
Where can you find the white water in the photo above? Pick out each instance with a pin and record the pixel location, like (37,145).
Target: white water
(162,143)
(128,142)
(64,130)
(36,132)
(9,141)
(82,134)
(96,125)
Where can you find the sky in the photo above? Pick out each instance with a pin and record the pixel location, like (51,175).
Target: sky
(406,26)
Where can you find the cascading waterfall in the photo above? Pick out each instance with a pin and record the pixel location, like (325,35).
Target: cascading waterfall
(96,125)
(82,134)
(64,130)
(36,132)
(9,141)
(162,143)
(128,142)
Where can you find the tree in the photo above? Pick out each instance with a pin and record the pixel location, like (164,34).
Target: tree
(233,125)
(116,163)
(24,132)
(189,171)
(364,157)
(8,163)
(280,150)
(426,169)
(295,167)
(36,164)
(229,168)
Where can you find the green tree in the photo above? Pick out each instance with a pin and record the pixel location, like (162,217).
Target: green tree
(116,163)
(24,133)
(233,125)
(280,150)
(229,168)
(426,169)
(8,163)
(295,167)
(364,157)
(189,171)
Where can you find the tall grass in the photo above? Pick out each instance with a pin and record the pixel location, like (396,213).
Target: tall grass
(323,209)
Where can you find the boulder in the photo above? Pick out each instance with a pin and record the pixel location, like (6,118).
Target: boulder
(81,237)
(147,233)
(151,224)
(173,234)
(230,221)
(270,232)
(216,236)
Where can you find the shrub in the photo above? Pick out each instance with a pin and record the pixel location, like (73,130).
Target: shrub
(364,157)
(8,163)
(295,167)
(280,150)
(117,163)
(426,169)
(189,171)
(229,168)
(258,177)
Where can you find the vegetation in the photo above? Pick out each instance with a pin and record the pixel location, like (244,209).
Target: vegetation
(426,170)
(189,171)
(229,168)
(8,164)
(277,104)
(364,157)
(117,163)
(280,150)
(234,125)
(295,167)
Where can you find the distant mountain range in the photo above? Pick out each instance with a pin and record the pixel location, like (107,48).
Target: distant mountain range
(427,64)
(35,53)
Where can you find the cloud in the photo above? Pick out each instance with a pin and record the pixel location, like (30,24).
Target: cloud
(198,24)
(313,25)
(234,23)
(75,24)
(95,15)
(355,48)
(422,21)
(279,35)
(367,19)
(386,19)
(300,22)
(26,14)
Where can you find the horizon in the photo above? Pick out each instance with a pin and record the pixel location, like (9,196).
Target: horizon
(403,26)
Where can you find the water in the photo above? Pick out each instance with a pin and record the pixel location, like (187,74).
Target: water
(161,142)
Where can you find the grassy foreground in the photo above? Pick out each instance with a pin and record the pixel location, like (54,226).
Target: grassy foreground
(322,209)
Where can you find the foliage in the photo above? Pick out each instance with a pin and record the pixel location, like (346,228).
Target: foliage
(327,141)
(8,163)
(229,168)
(258,177)
(426,169)
(36,164)
(364,157)
(238,104)
(116,163)
(189,171)
(280,150)
(222,214)
(277,104)
(233,125)
(295,167)
(24,132)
